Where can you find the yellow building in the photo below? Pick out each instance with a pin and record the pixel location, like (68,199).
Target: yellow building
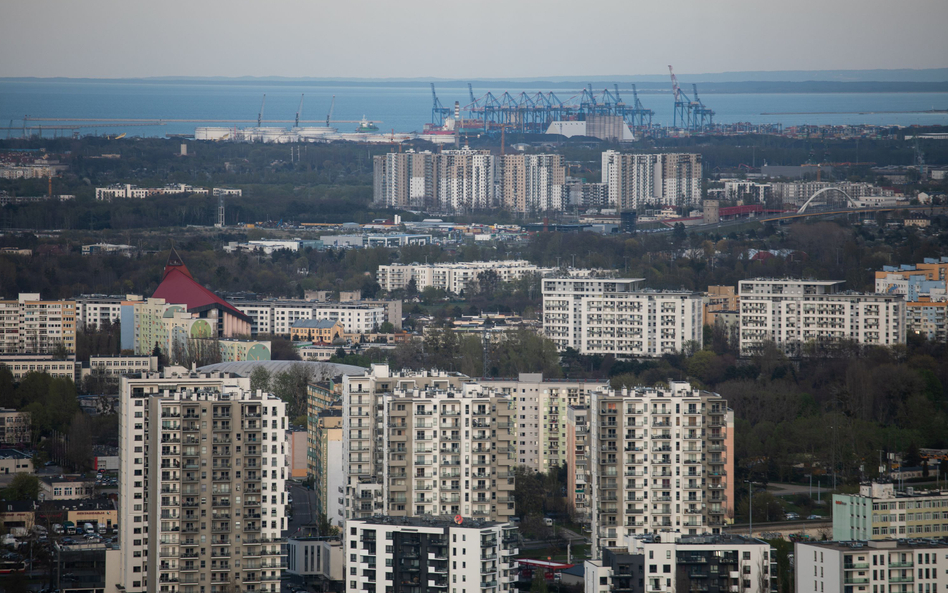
(316,330)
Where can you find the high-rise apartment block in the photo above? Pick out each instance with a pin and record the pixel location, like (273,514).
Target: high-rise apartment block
(30,324)
(203,463)
(430,556)
(903,566)
(879,511)
(453,277)
(427,444)
(463,180)
(654,460)
(639,180)
(797,314)
(615,316)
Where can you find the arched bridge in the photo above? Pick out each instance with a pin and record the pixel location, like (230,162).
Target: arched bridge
(849,198)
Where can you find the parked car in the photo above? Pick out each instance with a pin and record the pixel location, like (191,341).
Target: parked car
(814,517)
(792,516)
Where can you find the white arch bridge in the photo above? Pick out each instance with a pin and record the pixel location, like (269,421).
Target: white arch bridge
(852,202)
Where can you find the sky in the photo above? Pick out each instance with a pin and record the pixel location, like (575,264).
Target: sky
(471,39)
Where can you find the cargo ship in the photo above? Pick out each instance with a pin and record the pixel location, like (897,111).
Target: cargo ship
(366,126)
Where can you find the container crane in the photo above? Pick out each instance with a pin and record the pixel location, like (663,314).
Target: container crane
(332,105)
(681,113)
(438,111)
(701,116)
(298,111)
(260,115)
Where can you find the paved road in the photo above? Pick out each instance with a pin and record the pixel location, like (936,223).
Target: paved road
(787,489)
(304,507)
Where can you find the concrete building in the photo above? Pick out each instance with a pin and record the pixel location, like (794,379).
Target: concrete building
(278,316)
(903,566)
(15,427)
(430,556)
(615,316)
(15,462)
(586,195)
(639,180)
(446,446)
(66,487)
(800,314)
(131,191)
(328,474)
(203,468)
(21,364)
(452,277)
(655,460)
(880,511)
(114,366)
(668,563)
(531,183)
(542,407)
(316,330)
(925,288)
(93,310)
(30,324)
(318,560)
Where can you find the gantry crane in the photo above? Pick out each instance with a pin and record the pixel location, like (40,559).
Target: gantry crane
(298,111)
(260,115)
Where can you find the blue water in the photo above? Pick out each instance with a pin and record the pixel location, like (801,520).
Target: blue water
(402,107)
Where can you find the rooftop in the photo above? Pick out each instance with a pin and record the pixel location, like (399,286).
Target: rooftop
(890,544)
(441,521)
(315,324)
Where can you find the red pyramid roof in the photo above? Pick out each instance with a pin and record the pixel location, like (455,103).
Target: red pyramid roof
(178,286)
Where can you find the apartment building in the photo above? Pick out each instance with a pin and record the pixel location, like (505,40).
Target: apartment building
(465,180)
(392,555)
(453,277)
(329,476)
(418,444)
(541,414)
(30,324)
(669,562)
(800,314)
(894,566)
(405,180)
(639,180)
(925,288)
(277,317)
(654,460)
(15,427)
(203,463)
(93,310)
(880,512)
(531,183)
(615,316)
(21,364)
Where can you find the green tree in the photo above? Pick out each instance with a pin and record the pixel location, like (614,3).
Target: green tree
(22,487)
(260,379)
(387,328)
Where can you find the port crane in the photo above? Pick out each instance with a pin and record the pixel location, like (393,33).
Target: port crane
(298,111)
(690,113)
(260,115)
(438,111)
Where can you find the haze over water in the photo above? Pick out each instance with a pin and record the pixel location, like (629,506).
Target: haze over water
(404,107)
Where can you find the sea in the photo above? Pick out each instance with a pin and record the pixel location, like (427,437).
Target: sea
(399,107)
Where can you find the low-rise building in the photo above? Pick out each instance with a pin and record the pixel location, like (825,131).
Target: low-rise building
(669,562)
(116,366)
(454,278)
(428,555)
(895,566)
(13,461)
(66,487)
(21,364)
(15,427)
(318,560)
(879,511)
(324,331)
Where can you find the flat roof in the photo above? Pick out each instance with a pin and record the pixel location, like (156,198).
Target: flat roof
(889,544)
(466,522)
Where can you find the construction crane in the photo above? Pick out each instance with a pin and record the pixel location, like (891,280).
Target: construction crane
(298,111)
(332,106)
(260,115)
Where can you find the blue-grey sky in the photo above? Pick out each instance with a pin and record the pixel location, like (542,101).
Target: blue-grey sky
(471,39)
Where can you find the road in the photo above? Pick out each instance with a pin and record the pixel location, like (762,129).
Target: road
(788,489)
(304,507)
